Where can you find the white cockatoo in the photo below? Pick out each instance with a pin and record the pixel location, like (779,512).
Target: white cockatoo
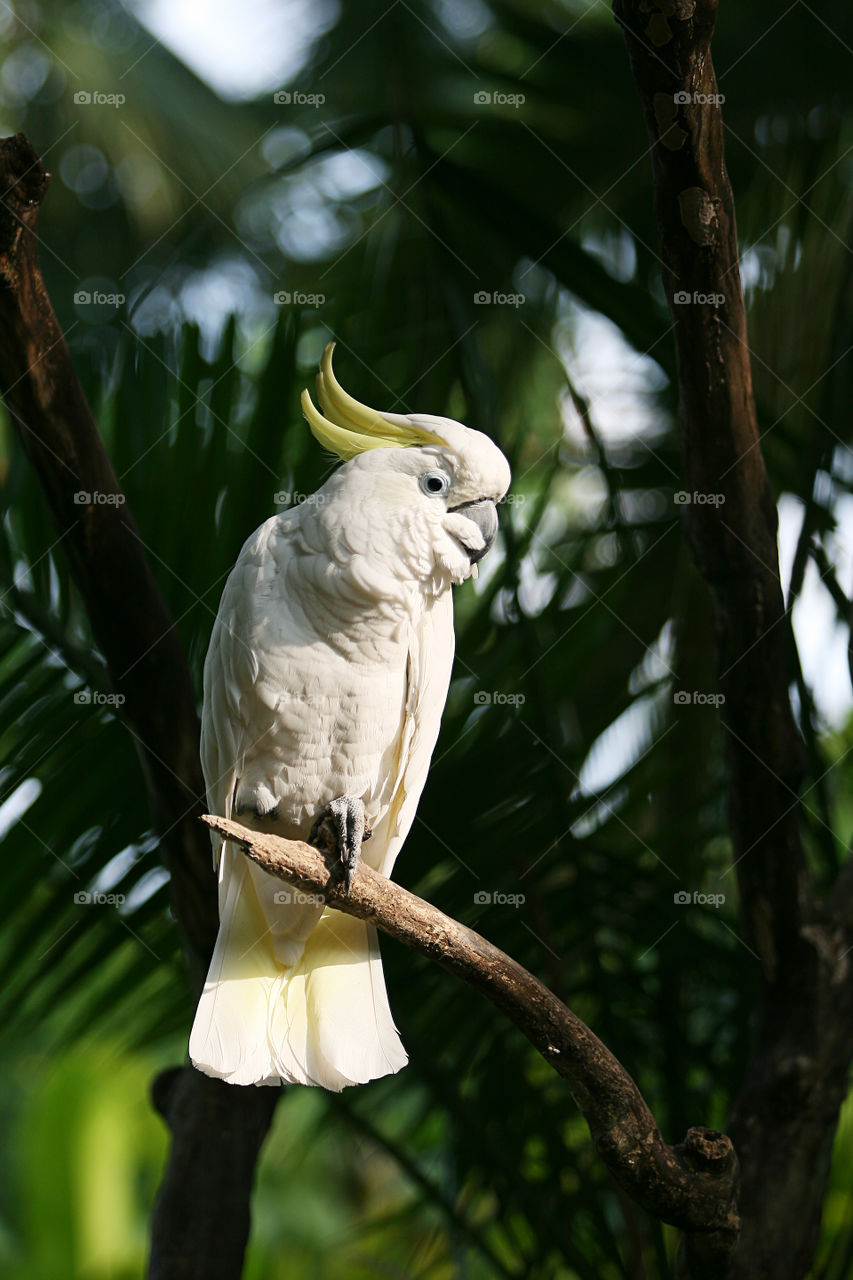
(324,685)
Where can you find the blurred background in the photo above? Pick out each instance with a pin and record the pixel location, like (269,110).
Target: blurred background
(458,192)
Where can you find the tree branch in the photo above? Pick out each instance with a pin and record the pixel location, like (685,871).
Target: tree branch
(129,617)
(784,1120)
(733,537)
(201,1220)
(692,1186)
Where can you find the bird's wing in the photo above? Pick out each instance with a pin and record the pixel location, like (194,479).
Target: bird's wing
(231,667)
(428,679)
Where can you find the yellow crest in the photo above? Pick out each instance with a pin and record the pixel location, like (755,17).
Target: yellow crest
(348,427)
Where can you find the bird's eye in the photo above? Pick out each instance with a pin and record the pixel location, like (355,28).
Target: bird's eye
(435,483)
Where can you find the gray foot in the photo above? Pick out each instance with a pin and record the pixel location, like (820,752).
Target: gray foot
(341,829)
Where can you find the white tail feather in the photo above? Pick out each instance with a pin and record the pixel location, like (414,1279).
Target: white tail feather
(295,993)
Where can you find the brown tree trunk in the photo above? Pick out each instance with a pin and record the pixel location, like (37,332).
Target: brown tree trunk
(201,1223)
(201,1220)
(784,1120)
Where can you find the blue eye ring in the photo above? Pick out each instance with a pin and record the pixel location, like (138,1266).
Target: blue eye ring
(435,484)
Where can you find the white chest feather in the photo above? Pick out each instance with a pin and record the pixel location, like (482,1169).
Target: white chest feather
(305,692)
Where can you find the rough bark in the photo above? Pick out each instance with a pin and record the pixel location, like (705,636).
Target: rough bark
(784,1119)
(200,1228)
(129,617)
(693,1185)
(202,1217)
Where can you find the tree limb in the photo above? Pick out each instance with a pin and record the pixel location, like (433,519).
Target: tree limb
(784,1119)
(692,1186)
(201,1220)
(129,617)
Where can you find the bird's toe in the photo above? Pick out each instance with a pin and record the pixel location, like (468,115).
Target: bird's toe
(341,828)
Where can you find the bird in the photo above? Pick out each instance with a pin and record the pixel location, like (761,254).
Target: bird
(324,685)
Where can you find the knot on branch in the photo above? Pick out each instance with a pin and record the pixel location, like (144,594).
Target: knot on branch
(671,134)
(675,27)
(24,181)
(699,215)
(22,170)
(708,1151)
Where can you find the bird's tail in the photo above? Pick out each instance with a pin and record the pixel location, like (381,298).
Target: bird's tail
(295,992)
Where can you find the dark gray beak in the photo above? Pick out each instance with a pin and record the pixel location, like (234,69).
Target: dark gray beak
(484,514)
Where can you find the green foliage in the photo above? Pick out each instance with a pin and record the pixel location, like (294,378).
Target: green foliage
(88,1153)
(585,622)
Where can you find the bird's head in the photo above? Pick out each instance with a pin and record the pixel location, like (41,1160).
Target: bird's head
(427,487)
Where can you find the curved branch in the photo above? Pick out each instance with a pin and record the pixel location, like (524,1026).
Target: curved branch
(201,1220)
(692,1186)
(730,513)
(785,1116)
(129,617)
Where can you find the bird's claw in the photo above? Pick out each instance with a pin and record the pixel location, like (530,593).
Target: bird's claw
(341,828)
